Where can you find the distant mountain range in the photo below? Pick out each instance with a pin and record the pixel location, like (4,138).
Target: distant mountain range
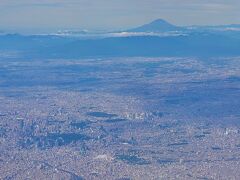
(161,25)
(155,27)
(158,25)
(158,38)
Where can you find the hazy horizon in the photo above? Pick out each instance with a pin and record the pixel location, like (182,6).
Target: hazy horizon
(49,15)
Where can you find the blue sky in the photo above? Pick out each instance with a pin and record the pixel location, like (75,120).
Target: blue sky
(114,14)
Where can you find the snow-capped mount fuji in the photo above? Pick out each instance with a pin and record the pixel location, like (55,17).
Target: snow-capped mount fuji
(158,25)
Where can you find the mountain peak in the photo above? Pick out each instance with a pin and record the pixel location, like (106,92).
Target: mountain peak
(159,21)
(158,25)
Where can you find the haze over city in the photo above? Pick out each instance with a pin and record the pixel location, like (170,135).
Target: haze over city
(119,89)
